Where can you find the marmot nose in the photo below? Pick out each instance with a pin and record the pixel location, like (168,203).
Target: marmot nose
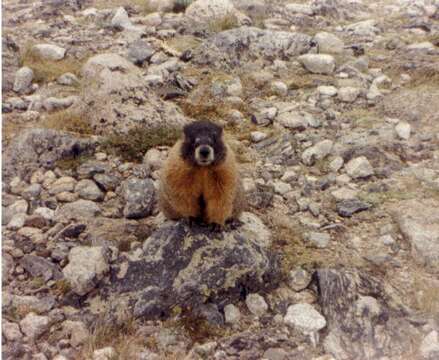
(204,151)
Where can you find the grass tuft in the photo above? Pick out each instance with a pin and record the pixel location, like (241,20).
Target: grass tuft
(227,22)
(66,120)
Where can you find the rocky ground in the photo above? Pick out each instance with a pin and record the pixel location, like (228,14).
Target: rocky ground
(333,109)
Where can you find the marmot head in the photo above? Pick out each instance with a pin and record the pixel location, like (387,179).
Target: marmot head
(203,143)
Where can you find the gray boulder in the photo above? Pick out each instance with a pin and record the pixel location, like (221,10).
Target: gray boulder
(418,221)
(236,46)
(184,266)
(117,99)
(41,148)
(366,318)
(48,51)
(23,79)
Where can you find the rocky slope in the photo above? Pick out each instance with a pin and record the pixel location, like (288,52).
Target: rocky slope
(332,107)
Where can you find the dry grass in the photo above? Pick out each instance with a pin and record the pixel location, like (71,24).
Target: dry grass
(427,299)
(225,23)
(133,145)
(119,333)
(48,70)
(66,120)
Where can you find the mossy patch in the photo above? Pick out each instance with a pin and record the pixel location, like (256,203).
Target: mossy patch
(133,145)
(67,120)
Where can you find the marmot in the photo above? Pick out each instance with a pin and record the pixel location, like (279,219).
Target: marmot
(200,179)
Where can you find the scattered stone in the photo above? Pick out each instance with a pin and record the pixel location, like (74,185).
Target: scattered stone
(318,239)
(139,196)
(317,152)
(327,90)
(299,9)
(403,129)
(279,88)
(281,188)
(348,94)
(49,52)
(34,325)
(65,183)
(206,11)
(336,164)
(305,318)
(257,136)
(87,189)
(79,209)
(140,51)
(11,331)
(23,79)
(77,331)
(275,354)
(318,63)
(232,314)
(430,346)
(299,279)
(418,221)
(121,20)
(107,353)
(68,79)
(359,168)
(347,208)
(329,43)
(86,267)
(256,304)
(40,267)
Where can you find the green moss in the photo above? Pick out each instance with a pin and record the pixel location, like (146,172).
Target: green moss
(133,145)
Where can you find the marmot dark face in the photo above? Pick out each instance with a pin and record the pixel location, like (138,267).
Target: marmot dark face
(203,143)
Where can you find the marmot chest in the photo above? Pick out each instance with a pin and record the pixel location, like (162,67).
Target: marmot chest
(204,181)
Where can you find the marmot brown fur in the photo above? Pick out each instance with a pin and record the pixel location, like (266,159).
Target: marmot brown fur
(200,179)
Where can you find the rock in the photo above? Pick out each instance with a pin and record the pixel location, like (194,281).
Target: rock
(279,88)
(317,152)
(348,94)
(87,189)
(281,188)
(319,240)
(140,51)
(232,314)
(327,90)
(49,52)
(35,235)
(205,349)
(11,331)
(65,183)
(90,168)
(34,325)
(403,130)
(256,304)
(68,79)
(293,120)
(23,79)
(359,168)
(350,300)
(121,20)
(429,348)
(305,318)
(233,47)
(181,265)
(86,267)
(41,148)
(77,332)
(32,192)
(420,47)
(374,93)
(79,209)
(418,221)
(207,11)
(153,159)
(40,267)
(329,43)
(46,213)
(106,353)
(257,136)
(53,103)
(17,222)
(275,354)
(318,63)
(107,182)
(347,208)
(366,28)
(117,87)
(299,279)
(139,195)
(299,9)
(336,164)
